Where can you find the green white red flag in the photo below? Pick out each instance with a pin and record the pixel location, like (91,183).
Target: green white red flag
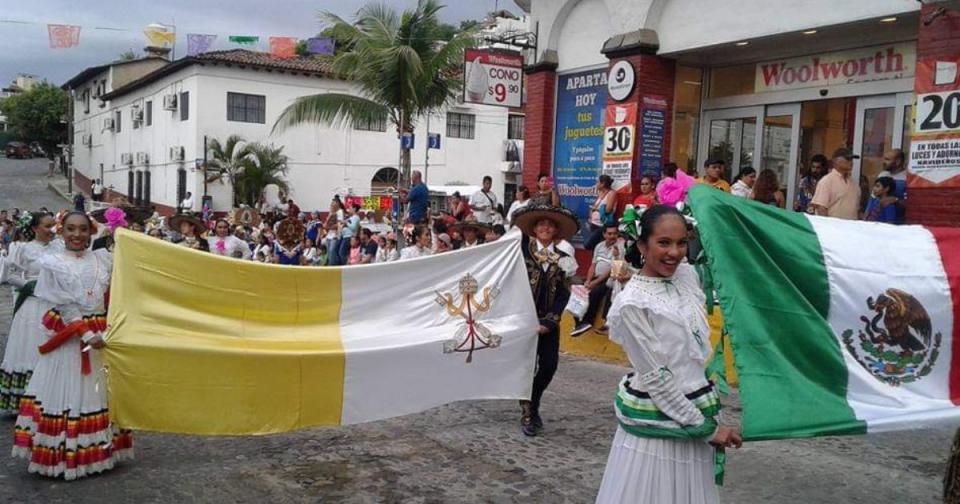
(837,327)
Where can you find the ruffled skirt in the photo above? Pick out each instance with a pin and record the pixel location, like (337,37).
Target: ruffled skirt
(20,356)
(64,426)
(658,471)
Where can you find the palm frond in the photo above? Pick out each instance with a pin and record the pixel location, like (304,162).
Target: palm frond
(334,109)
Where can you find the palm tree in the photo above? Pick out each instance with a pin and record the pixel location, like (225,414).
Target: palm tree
(228,161)
(403,67)
(263,165)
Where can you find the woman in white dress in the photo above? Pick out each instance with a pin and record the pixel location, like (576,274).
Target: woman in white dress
(21,269)
(224,243)
(668,446)
(64,426)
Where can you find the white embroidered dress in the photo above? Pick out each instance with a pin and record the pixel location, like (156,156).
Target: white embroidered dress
(64,426)
(661,324)
(230,246)
(20,356)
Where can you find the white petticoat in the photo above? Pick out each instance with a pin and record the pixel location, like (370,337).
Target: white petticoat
(26,335)
(658,471)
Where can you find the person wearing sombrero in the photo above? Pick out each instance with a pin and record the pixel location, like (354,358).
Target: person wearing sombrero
(191,230)
(470,231)
(550,269)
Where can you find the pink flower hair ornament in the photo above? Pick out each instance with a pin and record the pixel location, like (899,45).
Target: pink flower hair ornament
(115,217)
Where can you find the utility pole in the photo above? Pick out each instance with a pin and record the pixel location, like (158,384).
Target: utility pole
(204,166)
(426,156)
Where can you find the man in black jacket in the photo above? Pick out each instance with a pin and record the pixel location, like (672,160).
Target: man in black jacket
(549,269)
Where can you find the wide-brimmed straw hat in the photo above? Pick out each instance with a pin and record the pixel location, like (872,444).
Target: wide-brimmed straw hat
(459,226)
(179,218)
(528,217)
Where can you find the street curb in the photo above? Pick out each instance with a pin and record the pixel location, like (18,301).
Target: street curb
(61,193)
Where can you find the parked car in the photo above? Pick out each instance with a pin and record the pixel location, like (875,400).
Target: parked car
(18,150)
(36,150)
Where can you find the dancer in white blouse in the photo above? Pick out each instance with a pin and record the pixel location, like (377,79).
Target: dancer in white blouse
(64,426)
(668,446)
(226,244)
(21,269)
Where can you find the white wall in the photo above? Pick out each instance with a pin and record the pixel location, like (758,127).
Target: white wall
(575,28)
(323,161)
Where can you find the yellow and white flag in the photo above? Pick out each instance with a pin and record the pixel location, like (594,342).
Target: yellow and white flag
(160,36)
(202,344)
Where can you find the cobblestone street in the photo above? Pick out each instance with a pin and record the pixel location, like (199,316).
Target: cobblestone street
(474,452)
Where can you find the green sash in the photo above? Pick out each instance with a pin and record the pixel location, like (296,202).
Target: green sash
(23,293)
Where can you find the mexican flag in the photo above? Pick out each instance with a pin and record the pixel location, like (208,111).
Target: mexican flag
(837,327)
(203,344)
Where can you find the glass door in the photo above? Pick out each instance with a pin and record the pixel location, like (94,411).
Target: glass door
(730,135)
(883,123)
(780,146)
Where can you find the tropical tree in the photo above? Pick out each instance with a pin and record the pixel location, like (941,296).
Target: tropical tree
(401,63)
(263,165)
(228,161)
(38,115)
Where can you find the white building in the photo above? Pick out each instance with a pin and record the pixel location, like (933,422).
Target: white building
(145,138)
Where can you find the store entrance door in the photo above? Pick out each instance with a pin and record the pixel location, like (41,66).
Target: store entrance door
(730,135)
(762,137)
(883,123)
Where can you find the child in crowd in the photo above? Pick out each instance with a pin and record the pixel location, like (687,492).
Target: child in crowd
(355,251)
(875,211)
(309,252)
(392,253)
(321,259)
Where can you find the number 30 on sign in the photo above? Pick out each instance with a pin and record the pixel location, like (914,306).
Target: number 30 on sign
(619,133)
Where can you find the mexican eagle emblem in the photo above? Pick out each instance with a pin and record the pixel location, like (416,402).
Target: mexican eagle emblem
(897,345)
(471,335)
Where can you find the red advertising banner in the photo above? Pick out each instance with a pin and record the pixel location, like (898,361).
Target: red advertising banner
(935,144)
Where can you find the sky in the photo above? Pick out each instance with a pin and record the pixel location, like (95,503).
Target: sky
(24,48)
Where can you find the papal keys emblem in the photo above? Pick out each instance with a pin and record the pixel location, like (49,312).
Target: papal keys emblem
(897,345)
(471,335)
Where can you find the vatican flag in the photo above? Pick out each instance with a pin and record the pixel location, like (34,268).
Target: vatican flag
(159,36)
(203,344)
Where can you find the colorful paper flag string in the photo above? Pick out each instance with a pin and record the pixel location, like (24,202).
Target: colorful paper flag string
(63,36)
(321,45)
(160,37)
(199,43)
(283,47)
(244,39)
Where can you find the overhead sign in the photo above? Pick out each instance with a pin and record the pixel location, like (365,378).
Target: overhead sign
(493,78)
(619,141)
(934,149)
(578,140)
(621,80)
(893,61)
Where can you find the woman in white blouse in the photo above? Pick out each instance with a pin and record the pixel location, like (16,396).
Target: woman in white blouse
(668,442)
(225,244)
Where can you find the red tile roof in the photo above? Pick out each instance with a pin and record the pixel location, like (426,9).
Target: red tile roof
(315,65)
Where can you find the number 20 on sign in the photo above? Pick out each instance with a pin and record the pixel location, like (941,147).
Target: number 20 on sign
(938,112)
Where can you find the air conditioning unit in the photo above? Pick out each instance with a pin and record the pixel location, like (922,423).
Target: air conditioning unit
(170,102)
(136,114)
(176,154)
(108,124)
(126,158)
(143,158)
(87,139)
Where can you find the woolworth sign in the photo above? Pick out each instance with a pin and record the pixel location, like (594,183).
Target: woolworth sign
(893,61)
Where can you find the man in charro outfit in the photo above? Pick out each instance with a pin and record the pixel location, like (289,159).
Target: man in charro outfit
(549,268)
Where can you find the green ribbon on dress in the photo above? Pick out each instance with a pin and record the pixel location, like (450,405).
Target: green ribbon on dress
(23,293)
